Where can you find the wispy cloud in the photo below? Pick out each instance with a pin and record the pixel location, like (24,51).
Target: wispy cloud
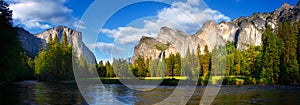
(127,35)
(107,47)
(43,13)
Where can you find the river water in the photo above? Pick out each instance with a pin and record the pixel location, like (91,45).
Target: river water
(32,92)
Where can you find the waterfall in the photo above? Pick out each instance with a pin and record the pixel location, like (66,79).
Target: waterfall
(161,55)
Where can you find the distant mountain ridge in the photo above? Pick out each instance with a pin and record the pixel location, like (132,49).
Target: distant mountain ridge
(241,31)
(32,43)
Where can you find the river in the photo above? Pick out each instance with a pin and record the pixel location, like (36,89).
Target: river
(32,92)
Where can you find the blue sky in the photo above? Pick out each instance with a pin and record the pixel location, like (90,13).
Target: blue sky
(111,28)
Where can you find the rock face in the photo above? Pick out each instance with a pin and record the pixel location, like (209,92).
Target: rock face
(32,43)
(242,31)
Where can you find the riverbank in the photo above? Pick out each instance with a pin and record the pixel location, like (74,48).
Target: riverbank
(32,92)
(227,80)
(173,81)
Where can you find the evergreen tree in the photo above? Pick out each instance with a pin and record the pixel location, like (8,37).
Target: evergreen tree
(147,64)
(170,62)
(55,62)
(140,64)
(288,35)
(100,68)
(297,30)
(237,62)
(50,41)
(64,41)
(11,48)
(109,70)
(206,61)
(199,60)
(270,58)
(187,67)
(194,64)
(250,55)
(177,68)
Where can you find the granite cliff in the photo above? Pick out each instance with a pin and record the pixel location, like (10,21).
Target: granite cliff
(33,42)
(242,31)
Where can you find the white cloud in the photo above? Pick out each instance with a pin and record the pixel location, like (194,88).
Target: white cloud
(79,24)
(185,16)
(107,47)
(193,2)
(34,24)
(42,13)
(127,35)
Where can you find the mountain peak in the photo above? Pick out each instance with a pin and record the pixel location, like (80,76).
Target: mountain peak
(165,28)
(209,23)
(21,29)
(286,5)
(60,28)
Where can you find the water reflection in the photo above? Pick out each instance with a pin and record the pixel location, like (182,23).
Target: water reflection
(31,92)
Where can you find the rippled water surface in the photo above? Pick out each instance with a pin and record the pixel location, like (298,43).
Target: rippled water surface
(31,92)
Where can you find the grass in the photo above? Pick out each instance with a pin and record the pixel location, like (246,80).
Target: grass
(232,80)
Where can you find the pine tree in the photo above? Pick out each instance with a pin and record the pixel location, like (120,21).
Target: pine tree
(250,55)
(206,61)
(140,64)
(237,62)
(177,64)
(170,61)
(270,58)
(287,33)
(55,62)
(297,29)
(10,46)
(199,59)
(187,67)
(64,41)
(109,70)
(100,68)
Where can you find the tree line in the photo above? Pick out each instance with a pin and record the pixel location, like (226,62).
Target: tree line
(54,62)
